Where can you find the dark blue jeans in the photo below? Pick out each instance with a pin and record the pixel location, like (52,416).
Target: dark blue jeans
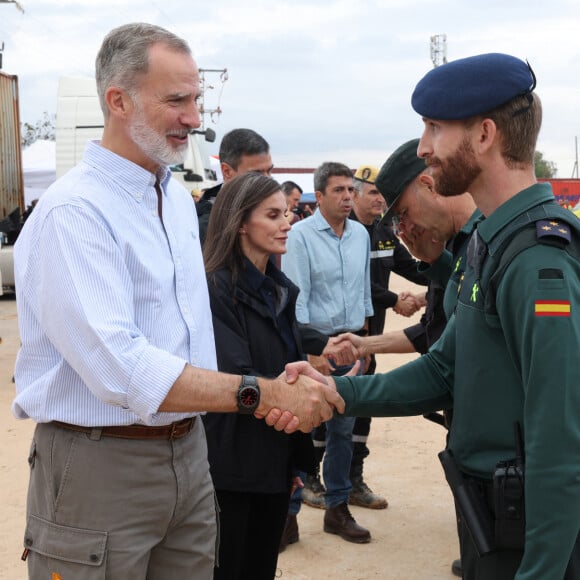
(338,455)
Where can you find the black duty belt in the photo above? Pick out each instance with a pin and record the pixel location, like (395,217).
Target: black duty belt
(361,332)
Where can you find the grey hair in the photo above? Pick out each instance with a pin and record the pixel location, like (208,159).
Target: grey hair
(327,170)
(124,55)
(358,186)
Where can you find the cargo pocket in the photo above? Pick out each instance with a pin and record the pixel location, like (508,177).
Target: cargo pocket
(64,551)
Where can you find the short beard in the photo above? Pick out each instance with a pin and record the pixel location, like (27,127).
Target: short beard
(457,172)
(152,143)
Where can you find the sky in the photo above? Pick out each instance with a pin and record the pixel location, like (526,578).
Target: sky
(325,80)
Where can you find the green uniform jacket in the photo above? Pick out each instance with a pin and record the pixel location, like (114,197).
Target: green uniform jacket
(495,369)
(448,269)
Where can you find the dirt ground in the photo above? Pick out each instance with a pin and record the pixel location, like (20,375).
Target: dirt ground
(413,539)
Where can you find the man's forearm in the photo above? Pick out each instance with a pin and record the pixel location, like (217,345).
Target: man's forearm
(395,341)
(197,390)
(307,398)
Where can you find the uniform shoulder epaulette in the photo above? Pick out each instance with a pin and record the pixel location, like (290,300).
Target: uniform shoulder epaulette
(554,229)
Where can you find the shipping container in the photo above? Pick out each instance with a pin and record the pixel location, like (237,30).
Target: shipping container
(11,180)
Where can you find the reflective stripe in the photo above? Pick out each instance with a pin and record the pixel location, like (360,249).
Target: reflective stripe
(382,253)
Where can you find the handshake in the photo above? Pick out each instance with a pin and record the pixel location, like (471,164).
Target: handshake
(311,400)
(347,348)
(344,349)
(407,303)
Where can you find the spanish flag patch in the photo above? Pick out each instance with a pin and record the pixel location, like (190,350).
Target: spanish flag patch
(552,308)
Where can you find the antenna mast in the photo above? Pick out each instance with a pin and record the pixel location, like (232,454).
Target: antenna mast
(17,4)
(205,86)
(439,49)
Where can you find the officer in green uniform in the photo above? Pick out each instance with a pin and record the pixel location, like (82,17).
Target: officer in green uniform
(424,219)
(508,356)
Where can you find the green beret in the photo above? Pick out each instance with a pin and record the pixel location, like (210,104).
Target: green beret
(398,171)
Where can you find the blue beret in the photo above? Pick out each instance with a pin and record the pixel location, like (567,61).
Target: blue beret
(472,86)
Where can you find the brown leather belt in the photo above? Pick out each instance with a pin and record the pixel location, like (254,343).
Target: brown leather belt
(172,431)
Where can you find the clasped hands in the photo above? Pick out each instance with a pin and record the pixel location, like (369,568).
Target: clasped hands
(300,398)
(408,303)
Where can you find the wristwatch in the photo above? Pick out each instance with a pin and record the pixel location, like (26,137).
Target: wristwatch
(248,395)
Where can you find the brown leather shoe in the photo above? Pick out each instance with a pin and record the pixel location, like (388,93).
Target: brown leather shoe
(338,520)
(290,534)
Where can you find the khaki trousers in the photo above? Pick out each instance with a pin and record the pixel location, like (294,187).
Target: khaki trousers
(103,508)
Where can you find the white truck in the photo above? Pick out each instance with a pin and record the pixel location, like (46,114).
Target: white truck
(79,118)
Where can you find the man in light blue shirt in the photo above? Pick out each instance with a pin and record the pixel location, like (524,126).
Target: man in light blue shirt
(328,258)
(117,355)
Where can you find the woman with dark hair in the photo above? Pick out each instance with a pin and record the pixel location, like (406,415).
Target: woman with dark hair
(252,305)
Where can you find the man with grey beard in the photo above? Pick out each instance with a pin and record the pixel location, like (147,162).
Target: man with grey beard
(117,356)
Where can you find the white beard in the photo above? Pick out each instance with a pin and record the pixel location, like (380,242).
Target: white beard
(154,144)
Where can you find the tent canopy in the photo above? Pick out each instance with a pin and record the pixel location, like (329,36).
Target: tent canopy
(38,168)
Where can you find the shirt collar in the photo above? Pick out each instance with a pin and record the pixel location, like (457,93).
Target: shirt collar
(474,219)
(321,223)
(133,178)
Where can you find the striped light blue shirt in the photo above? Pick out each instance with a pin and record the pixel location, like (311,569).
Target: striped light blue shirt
(333,274)
(112,302)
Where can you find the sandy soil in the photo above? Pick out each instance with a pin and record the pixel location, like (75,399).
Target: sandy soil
(413,539)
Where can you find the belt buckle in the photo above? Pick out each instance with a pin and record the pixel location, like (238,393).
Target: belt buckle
(181,428)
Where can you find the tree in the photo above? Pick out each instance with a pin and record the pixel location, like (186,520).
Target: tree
(43,129)
(544,168)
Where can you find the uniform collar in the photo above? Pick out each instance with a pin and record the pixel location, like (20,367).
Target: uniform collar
(513,207)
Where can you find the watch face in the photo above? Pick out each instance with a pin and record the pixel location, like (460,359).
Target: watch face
(248,396)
